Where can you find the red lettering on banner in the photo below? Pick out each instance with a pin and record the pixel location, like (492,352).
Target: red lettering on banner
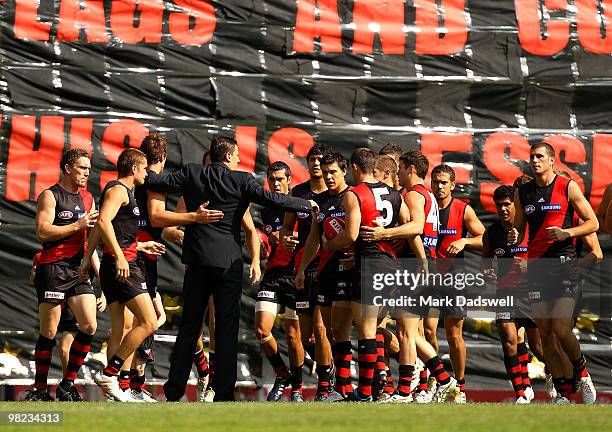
(326,26)
(246,137)
(500,166)
(80,133)
(389,20)
(428,39)
(91,18)
(23,160)
(27,25)
(149,29)
(434,145)
(114,141)
(557,30)
(287,144)
(590,24)
(572,150)
(600,172)
(205,21)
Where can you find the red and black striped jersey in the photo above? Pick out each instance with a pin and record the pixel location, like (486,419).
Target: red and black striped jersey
(378,202)
(331,220)
(69,207)
(304,221)
(507,276)
(451,227)
(125,223)
(547,207)
(146,231)
(432,221)
(272,219)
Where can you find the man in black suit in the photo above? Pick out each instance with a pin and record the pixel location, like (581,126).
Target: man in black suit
(213,255)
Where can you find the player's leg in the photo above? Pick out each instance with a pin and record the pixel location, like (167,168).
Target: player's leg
(407,332)
(64,348)
(296,353)
(202,367)
(444,382)
(430,326)
(366,319)
(508,337)
(323,340)
(453,326)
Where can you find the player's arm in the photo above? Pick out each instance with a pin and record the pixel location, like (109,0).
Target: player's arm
(517,234)
(604,213)
(351,227)
(310,252)
(584,210)
(159,310)
(174,234)
(95,259)
(45,214)
(414,210)
(160,217)
(475,228)
(257,194)
(486,264)
(288,241)
(253,246)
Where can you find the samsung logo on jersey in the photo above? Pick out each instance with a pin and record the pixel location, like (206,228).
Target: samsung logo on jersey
(430,241)
(529,209)
(518,249)
(448,231)
(303,215)
(66,214)
(339,214)
(500,251)
(553,207)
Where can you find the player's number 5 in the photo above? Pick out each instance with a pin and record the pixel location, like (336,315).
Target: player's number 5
(383,206)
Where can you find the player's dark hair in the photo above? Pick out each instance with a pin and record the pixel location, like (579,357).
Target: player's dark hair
(336,157)
(386,163)
(71,156)
(127,159)
(503,192)
(391,149)
(417,159)
(440,169)
(550,151)
(277,166)
(318,150)
(220,147)
(154,147)
(204,156)
(365,159)
(521,180)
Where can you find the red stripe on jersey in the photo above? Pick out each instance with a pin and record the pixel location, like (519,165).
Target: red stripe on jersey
(430,229)
(129,252)
(87,199)
(145,236)
(369,213)
(540,243)
(453,230)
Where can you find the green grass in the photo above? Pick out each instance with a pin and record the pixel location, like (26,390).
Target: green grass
(345,417)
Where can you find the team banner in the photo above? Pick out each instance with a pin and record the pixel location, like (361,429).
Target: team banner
(470,83)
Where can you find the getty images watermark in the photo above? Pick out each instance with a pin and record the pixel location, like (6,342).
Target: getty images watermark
(485,288)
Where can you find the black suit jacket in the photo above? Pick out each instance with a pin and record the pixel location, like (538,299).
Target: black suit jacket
(218,244)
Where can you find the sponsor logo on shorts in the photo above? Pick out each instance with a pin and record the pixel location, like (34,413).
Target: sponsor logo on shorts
(342,284)
(518,249)
(266,294)
(143,285)
(136,211)
(320,217)
(66,214)
(320,298)
(534,295)
(500,251)
(550,207)
(302,215)
(503,316)
(448,231)
(55,295)
(302,305)
(529,209)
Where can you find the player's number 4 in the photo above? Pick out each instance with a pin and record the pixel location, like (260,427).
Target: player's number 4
(383,206)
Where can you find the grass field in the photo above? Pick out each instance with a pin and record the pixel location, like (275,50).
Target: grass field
(254,417)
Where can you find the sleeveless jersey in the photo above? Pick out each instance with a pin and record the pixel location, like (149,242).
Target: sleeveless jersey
(507,276)
(125,223)
(304,221)
(272,219)
(69,207)
(331,220)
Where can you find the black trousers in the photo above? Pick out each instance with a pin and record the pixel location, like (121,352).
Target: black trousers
(225,285)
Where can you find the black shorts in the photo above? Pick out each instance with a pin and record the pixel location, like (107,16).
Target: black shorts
(56,283)
(68,322)
(520,312)
(277,287)
(369,285)
(149,268)
(115,290)
(334,286)
(553,278)
(306,300)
